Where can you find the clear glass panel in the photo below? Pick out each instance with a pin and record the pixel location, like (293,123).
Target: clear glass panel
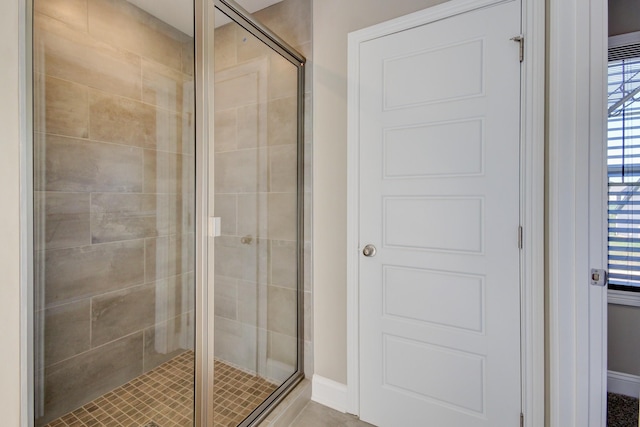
(114,203)
(256,184)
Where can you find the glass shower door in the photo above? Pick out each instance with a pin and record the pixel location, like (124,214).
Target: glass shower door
(113,213)
(257,104)
(114,217)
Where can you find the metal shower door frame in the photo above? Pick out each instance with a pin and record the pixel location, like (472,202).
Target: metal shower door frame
(204,36)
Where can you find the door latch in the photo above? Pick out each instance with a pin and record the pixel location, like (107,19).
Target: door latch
(598,277)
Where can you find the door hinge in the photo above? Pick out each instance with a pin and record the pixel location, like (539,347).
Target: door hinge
(520,40)
(520,236)
(521,419)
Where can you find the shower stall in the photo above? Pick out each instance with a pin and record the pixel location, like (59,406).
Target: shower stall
(168,211)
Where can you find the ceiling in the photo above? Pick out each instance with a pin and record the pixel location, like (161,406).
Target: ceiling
(179,13)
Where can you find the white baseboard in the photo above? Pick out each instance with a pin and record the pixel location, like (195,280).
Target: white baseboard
(329,393)
(626,384)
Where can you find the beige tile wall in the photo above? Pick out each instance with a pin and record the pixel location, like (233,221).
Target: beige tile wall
(255,186)
(114,198)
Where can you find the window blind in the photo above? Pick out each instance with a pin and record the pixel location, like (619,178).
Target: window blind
(623,164)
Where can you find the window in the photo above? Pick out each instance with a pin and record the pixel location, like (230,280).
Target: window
(623,164)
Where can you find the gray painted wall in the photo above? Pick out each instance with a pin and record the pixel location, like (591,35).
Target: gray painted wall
(624,339)
(624,16)
(332,21)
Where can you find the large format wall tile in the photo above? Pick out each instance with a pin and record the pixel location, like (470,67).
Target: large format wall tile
(109,227)
(283,168)
(67,331)
(250,133)
(237,91)
(283,348)
(228,259)
(189,125)
(289,19)
(61,220)
(225,206)
(168,256)
(248,47)
(282,121)
(251,299)
(122,216)
(188,57)
(72,274)
(122,120)
(224,137)
(281,310)
(282,216)
(242,261)
(169,131)
(164,172)
(173,296)
(224,45)
(236,342)
(283,264)
(76,381)
(125,121)
(66,108)
(283,76)
(116,314)
(241,171)
(76,57)
(75,165)
(165,340)
(137,31)
(164,87)
(226,297)
(71,12)
(253,214)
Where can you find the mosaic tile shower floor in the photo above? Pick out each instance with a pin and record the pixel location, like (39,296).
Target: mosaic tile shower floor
(163,397)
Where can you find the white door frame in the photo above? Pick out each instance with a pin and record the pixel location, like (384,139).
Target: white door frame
(532,190)
(576,205)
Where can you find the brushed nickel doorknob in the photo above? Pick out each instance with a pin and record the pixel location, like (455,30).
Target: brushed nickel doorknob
(369,251)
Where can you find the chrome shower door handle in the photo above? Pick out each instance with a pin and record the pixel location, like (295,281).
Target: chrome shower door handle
(369,251)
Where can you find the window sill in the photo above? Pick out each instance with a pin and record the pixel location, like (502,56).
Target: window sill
(623,298)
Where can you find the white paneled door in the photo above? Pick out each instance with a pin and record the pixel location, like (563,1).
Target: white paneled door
(439,185)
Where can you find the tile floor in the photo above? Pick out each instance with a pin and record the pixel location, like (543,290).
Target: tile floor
(163,397)
(316,415)
(236,394)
